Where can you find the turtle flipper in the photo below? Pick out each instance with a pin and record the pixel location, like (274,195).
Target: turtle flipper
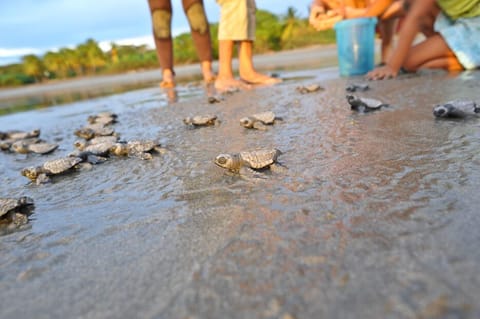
(42,179)
(251,174)
(259,126)
(278,168)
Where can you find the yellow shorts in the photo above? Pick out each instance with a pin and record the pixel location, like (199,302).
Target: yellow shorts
(237,20)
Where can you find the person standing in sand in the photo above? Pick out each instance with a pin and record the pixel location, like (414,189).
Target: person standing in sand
(237,25)
(451,45)
(161,13)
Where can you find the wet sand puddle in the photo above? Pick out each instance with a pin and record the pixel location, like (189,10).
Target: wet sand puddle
(375,216)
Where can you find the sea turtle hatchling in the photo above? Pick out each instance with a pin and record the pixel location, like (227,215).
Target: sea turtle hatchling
(93,130)
(99,149)
(105,118)
(19,135)
(6,145)
(81,144)
(246,161)
(363,104)
(259,120)
(200,120)
(40,174)
(214,99)
(15,210)
(353,87)
(304,89)
(142,149)
(457,109)
(38,148)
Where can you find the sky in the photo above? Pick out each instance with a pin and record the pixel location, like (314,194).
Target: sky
(38,26)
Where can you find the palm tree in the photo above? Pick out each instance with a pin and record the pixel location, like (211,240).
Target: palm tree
(54,64)
(33,66)
(291,21)
(91,56)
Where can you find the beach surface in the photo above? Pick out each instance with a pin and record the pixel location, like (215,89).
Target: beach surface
(371,215)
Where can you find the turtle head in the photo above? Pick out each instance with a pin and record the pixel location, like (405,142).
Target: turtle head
(224,160)
(119,149)
(80,144)
(35,133)
(30,172)
(443,110)
(20,147)
(247,122)
(350,98)
(188,120)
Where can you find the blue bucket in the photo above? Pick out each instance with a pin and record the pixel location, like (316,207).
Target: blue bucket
(355,45)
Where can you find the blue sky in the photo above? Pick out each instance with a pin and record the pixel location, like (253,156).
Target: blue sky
(36,26)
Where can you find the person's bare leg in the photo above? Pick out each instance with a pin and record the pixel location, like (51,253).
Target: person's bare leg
(447,63)
(225,79)
(246,69)
(387,31)
(432,53)
(200,31)
(207,72)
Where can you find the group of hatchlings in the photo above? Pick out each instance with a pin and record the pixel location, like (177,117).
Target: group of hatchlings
(100,141)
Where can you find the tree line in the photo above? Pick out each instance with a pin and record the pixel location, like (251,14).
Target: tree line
(273,33)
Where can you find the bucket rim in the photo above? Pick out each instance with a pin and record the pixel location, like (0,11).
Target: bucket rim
(355,22)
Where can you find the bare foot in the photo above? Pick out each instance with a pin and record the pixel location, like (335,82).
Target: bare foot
(209,77)
(168,79)
(226,84)
(258,78)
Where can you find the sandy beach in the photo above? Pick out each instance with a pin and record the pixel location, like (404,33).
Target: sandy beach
(371,215)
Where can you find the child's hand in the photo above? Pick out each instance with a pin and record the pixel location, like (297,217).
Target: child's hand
(325,20)
(315,11)
(383,72)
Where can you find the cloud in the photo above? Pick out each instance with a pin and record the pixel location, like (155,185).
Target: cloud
(8,53)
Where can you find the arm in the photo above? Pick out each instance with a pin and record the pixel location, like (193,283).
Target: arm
(322,17)
(376,9)
(409,30)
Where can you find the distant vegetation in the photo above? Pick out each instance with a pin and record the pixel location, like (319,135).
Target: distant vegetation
(274,33)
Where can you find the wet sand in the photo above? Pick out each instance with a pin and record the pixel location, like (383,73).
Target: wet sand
(375,215)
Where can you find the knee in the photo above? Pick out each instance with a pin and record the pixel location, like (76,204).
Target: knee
(196,18)
(161,21)
(410,64)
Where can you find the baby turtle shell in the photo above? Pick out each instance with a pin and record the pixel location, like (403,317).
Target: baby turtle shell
(15,210)
(456,109)
(93,130)
(259,120)
(309,88)
(353,87)
(19,135)
(38,148)
(104,118)
(81,144)
(363,104)
(200,120)
(255,159)
(140,149)
(214,99)
(100,149)
(40,174)
(7,145)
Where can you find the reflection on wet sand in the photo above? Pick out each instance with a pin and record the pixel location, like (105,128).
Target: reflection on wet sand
(374,217)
